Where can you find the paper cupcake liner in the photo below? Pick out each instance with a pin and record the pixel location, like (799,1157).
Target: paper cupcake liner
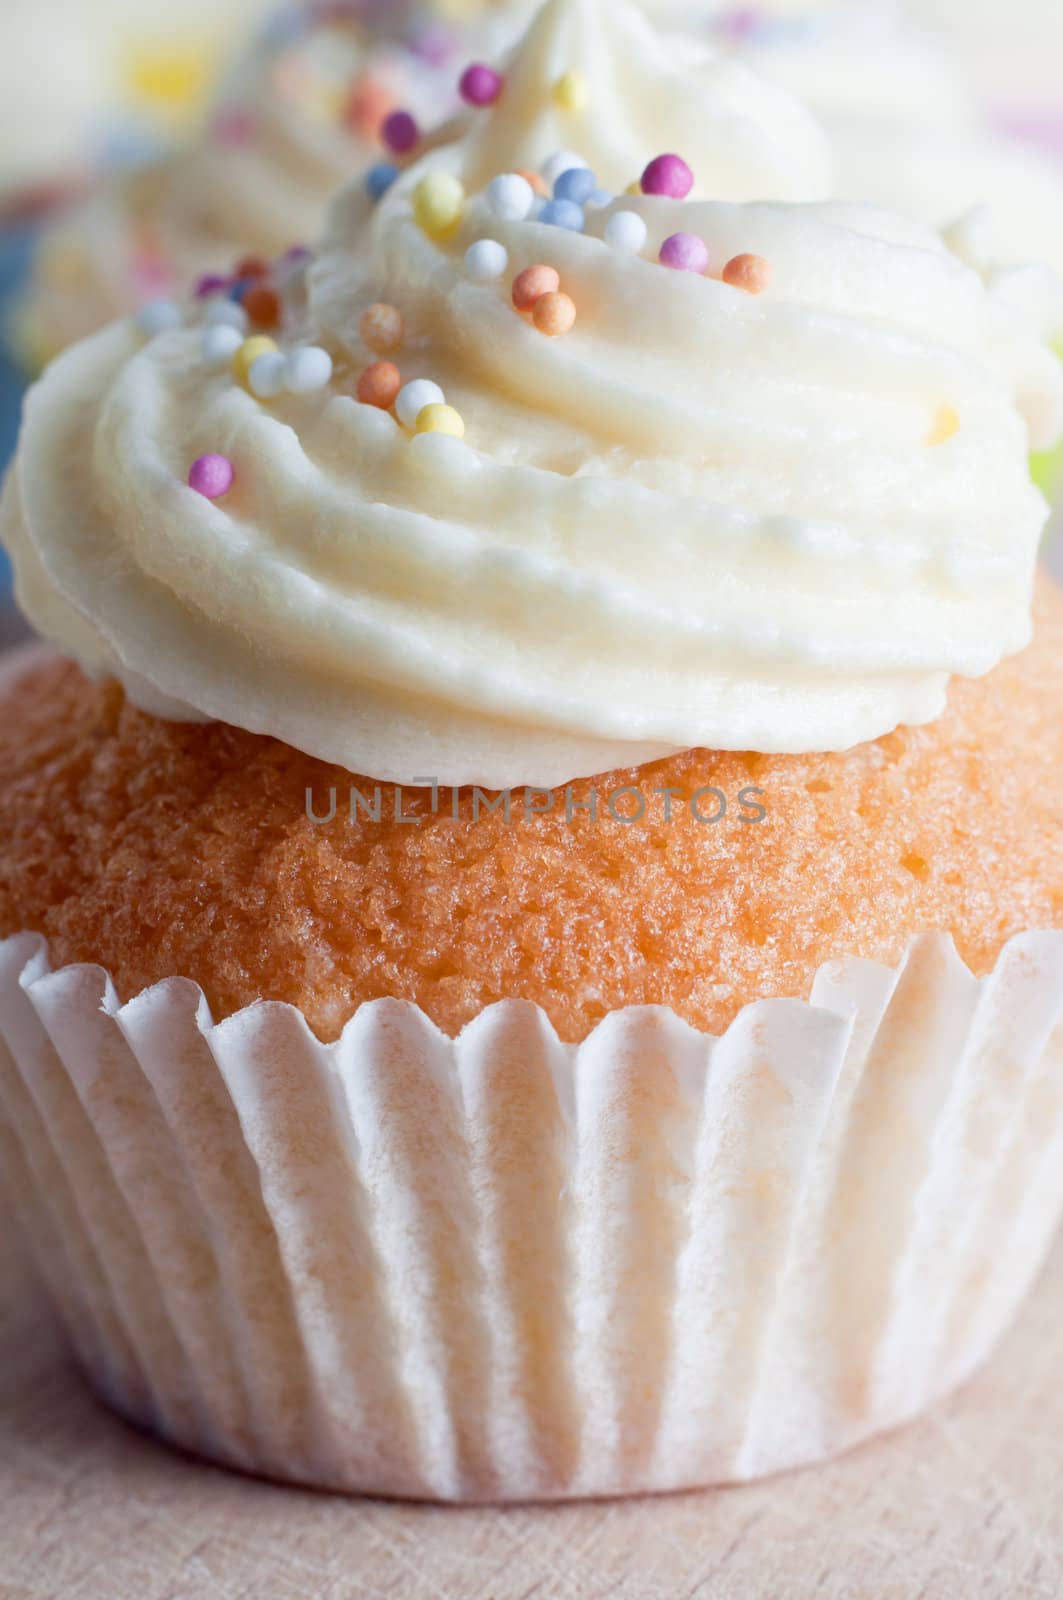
(503,1267)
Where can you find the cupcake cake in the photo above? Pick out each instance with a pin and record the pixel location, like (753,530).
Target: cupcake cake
(305,109)
(530,892)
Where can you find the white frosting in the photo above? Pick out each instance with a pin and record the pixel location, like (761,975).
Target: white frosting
(700,518)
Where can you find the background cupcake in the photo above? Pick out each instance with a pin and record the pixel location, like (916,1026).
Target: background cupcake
(568,455)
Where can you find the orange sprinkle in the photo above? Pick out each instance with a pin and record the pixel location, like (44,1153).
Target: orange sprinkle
(530,285)
(379,385)
(751,273)
(382,328)
(369,107)
(554,314)
(536,179)
(263,306)
(251,267)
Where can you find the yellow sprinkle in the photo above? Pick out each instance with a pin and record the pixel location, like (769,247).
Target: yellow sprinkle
(440,419)
(634,188)
(248,354)
(946,426)
(570,91)
(438,205)
(169,77)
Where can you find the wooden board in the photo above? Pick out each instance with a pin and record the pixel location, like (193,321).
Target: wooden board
(967,1505)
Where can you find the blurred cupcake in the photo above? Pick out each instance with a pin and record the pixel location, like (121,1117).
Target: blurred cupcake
(305,110)
(1012,53)
(566,1135)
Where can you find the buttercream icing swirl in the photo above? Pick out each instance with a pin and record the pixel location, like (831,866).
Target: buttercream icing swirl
(703,517)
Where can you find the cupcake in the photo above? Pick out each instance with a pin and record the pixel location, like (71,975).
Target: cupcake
(531,890)
(305,109)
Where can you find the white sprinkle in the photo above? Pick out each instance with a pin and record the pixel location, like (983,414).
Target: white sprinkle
(266,377)
(220,344)
(413,399)
(307,369)
(625,230)
(485,260)
(510,197)
(160,316)
(561,161)
(227,314)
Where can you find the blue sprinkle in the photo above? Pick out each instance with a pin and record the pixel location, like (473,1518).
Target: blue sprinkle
(563,214)
(239,289)
(378,179)
(600,198)
(576,184)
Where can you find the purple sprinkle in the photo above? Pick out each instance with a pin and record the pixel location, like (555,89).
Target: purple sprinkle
(668,175)
(298,252)
(685,252)
(210,284)
(400,132)
(212,476)
(480,85)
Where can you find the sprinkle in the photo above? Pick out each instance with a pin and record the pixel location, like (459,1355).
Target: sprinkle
(210,283)
(379,385)
(367,108)
(685,252)
(600,198)
(531,284)
(510,197)
(480,85)
(379,178)
(382,328)
(263,306)
(626,230)
(668,175)
(413,399)
(159,316)
(438,205)
(561,161)
(554,314)
(265,378)
(485,260)
(538,183)
(238,287)
(563,214)
(251,267)
(400,132)
(224,314)
(307,369)
(751,273)
(211,476)
(220,344)
(946,426)
(437,418)
(297,253)
(248,353)
(576,184)
(570,91)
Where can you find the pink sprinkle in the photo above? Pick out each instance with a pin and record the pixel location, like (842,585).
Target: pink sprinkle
(400,132)
(432,43)
(685,252)
(212,476)
(739,24)
(480,85)
(234,126)
(668,175)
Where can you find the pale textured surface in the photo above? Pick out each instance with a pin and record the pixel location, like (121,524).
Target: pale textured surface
(314,1262)
(966,1506)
